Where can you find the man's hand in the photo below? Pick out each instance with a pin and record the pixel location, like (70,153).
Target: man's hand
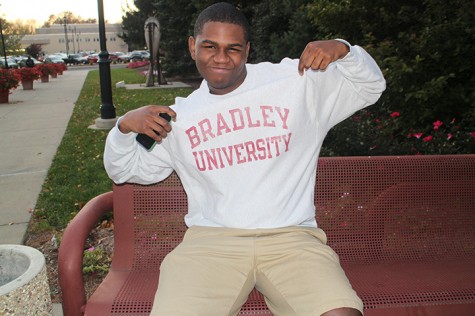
(146,120)
(319,54)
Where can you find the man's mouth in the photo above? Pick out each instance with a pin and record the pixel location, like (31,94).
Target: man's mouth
(220,69)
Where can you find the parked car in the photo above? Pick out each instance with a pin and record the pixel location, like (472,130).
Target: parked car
(115,57)
(54,59)
(92,59)
(74,59)
(124,58)
(138,55)
(11,63)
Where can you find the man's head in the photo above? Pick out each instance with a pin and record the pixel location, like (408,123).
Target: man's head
(220,47)
(225,13)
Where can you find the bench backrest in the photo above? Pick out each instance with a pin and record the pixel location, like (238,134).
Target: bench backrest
(373,209)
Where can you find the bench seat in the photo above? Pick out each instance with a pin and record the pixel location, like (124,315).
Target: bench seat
(403,227)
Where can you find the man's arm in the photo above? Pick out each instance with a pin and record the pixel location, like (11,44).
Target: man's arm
(125,160)
(353,81)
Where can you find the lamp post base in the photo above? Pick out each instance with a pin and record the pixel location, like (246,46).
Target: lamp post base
(101,123)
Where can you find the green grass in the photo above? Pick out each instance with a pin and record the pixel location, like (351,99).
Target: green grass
(77,173)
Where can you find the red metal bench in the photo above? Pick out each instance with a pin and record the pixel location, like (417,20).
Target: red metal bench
(404,228)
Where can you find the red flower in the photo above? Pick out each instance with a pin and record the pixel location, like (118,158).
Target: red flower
(449,136)
(417,135)
(9,79)
(395,114)
(473,134)
(26,73)
(437,124)
(427,138)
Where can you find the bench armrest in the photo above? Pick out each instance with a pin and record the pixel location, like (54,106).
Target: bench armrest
(71,251)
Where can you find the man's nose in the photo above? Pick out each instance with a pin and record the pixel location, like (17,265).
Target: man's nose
(221,56)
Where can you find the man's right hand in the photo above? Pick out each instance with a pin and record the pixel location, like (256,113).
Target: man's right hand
(146,120)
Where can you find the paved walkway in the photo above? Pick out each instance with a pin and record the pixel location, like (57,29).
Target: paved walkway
(31,128)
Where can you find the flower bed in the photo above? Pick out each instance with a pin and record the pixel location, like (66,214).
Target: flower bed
(46,69)
(28,74)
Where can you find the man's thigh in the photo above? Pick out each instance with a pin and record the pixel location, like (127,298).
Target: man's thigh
(300,275)
(209,273)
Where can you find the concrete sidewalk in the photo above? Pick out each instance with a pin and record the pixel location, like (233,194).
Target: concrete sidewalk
(31,128)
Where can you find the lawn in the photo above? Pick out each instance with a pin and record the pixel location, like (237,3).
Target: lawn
(77,173)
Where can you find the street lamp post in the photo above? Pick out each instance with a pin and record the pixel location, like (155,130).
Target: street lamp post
(73,35)
(3,45)
(78,39)
(108,116)
(65,22)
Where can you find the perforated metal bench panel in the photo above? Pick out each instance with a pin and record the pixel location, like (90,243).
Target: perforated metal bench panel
(402,226)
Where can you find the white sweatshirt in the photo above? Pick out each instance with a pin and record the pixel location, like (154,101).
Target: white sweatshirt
(248,159)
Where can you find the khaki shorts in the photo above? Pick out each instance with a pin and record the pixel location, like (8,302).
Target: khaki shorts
(214,269)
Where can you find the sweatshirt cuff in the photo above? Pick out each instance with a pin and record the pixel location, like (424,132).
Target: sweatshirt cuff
(120,139)
(350,49)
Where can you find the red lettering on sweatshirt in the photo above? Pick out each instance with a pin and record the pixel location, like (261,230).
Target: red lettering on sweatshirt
(247,152)
(235,120)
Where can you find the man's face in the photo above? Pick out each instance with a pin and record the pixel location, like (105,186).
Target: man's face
(220,53)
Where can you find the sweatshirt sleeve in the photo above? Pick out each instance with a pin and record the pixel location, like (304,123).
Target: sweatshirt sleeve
(362,73)
(127,161)
(348,85)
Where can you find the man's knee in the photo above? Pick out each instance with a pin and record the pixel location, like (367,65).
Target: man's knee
(343,312)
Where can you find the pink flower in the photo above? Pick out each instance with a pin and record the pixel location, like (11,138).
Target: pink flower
(377,120)
(427,138)
(395,114)
(437,124)
(417,135)
(409,135)
(449,136)
(453,121)
(473,134)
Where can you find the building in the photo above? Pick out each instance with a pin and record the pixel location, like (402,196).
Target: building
(80,38)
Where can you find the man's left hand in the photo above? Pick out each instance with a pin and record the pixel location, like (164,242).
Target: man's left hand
(318,55)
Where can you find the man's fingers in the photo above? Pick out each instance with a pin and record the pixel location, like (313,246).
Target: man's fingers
(304,57)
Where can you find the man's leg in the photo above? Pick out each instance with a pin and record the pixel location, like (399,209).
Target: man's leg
(209,273)
(300,275)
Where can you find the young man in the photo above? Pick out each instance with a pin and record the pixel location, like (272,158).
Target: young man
(245,146)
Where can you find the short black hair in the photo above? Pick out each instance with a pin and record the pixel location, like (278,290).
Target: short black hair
(225,13)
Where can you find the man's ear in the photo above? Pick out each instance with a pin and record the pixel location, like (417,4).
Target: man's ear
(191,47)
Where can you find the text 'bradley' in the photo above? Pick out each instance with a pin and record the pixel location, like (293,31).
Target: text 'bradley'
(235,120)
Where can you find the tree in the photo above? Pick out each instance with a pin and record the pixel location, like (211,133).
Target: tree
(133,23)
(71,18)
(11,37)
(176,26)
(20,27)
(425,49)
(34,50)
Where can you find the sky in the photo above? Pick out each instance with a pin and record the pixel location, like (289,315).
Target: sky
(40,10)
